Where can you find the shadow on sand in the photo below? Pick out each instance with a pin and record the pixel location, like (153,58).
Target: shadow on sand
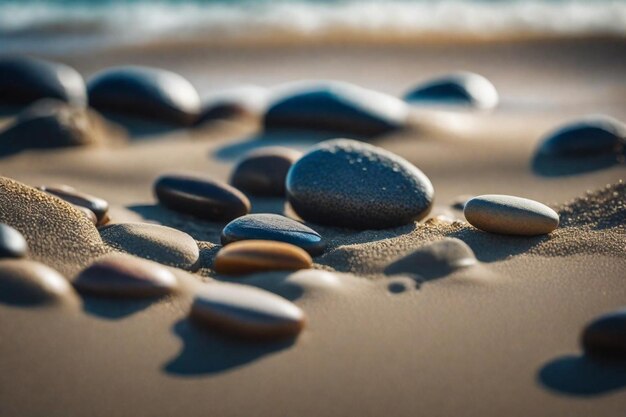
(206,353)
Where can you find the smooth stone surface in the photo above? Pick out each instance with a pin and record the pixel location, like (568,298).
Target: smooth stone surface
(150,241)
(238,102)
(509,215)
(591,135)
(464,88)
(29,283)
(12,243)
(245,311)
(335,107)
(125,276)
(49,124)
(24,80)
(606,336)
(435,259)
(262,172)
(149,93)
(346,183)
(273,227)
(201,197)
(249,256)
(96,205)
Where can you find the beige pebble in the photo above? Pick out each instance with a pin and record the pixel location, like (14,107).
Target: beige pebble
(249,256)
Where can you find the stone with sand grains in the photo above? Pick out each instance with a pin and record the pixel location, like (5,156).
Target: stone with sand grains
(249,256)
(96,205)
(509,215)
(144,92)
(29,283)
(346,183)
(262,172)
(606,335)
(201,197)
(247,312)
(24,80)
(161,244)
(126,276)
(268,226)
(12,243)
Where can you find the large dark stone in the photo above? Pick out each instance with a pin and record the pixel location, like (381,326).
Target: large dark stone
(463,88)
(201,197)
(154,94)
(24,80)
(336,107)
(346,183)
(273,227)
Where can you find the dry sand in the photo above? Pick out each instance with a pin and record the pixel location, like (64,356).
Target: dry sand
(499,338)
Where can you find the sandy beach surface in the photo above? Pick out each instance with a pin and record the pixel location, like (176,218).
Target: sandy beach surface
(498,339)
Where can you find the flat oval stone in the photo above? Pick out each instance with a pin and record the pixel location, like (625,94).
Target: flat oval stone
(335,107)
(249,256)
(24,80)
(50,124)
(273,227)
(346,183)
(201,197)
(263,172)
(510,215)
(238,102)
(591,135)
(245,311)
(150,241)
(29,283)
(434,259)
(606,335)
(463,88)
(126,277)
(96,205)
(144,92)
(12,243)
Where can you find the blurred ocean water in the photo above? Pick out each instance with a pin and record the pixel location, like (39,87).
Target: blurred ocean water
(28,25)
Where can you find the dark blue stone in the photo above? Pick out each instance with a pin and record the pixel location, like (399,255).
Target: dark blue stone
(336,107)
(273,227)
(201,197)
(463,88)
(149,93)
(12,243)
(606,336)
(594,135)
(346,183)
(24,80)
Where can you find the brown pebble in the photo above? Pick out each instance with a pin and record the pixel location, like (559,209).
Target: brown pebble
(98,206)
(125,276)
(29,283)
(244,311)
(249,256)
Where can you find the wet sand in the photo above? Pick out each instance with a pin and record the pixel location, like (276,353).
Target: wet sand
(499,338)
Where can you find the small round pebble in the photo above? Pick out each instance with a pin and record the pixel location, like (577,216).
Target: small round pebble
(606,335)
(509,215)
(273,227)
(24,80)
(263,172)
(591,135)
(150,241)
(201,197)
(346,183)
(434,259)
(150,93)
(29,283)
(126,277)
(336,107)
(96,205)
(463,88)
(247,312)
(12,243)
(249,256)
